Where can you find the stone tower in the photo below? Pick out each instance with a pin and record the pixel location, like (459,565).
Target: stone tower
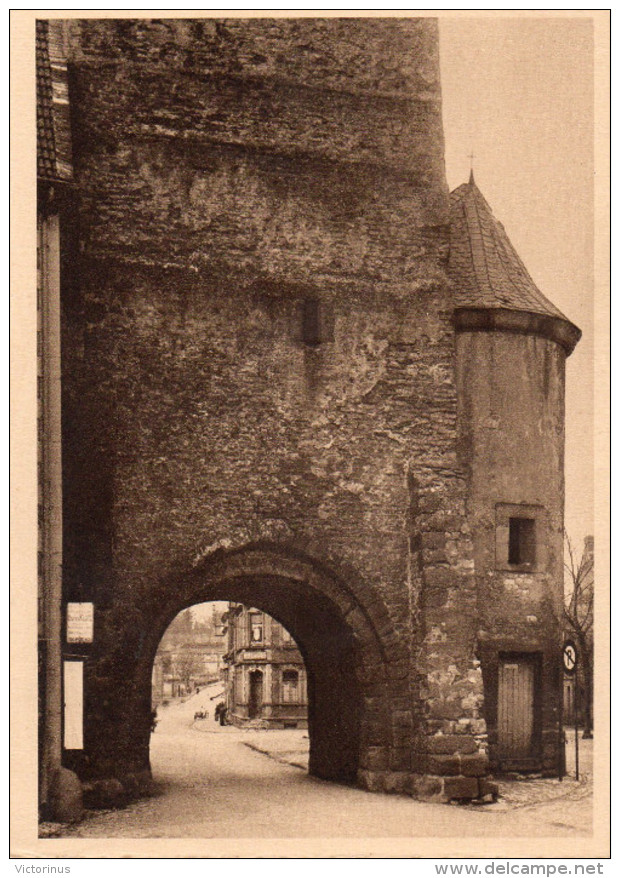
(285,386)
(511,348)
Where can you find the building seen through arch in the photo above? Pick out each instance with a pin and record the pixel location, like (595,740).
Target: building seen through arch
(265,673)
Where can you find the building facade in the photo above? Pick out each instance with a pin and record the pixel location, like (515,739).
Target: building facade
(265,672)
(300,376)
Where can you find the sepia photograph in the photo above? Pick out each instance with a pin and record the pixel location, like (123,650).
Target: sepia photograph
(312,305)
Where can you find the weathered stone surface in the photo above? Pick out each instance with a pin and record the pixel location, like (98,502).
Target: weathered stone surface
(131,786)
(198,421)
(488,789)
(449,744)
(473,764)
(373,781)
(512,428)
(146,785)
(108,793)
(460,788)
(65,797)
(396,782)
(443,765)
(376,758)
(138,784)
(428,788)
(400,756)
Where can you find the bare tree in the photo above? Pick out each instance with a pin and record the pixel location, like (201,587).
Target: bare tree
(579,614)
(187,665)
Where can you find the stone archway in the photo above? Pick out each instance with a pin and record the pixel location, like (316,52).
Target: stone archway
(341,637)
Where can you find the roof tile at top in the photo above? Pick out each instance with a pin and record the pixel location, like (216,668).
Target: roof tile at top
(54,163)
(484,265)
(46,152)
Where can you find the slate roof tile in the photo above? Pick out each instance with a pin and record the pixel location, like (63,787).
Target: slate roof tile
(54,161)
(486,269)
(46,152)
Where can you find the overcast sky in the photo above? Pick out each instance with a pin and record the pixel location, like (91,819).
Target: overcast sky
(518,93)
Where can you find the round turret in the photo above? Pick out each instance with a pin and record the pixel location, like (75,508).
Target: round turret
(511,345)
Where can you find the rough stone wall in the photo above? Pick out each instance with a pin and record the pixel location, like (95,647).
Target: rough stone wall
(511,392)
(228,171)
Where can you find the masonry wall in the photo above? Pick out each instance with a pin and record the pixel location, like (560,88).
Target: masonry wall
(511,392)
(226,173)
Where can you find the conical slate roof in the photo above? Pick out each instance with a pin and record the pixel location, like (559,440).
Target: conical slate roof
(488,274)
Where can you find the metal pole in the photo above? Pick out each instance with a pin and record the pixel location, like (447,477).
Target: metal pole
(576,702)
(561,744)
(51,490)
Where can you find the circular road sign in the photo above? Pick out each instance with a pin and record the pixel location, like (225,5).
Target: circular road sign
(569,656)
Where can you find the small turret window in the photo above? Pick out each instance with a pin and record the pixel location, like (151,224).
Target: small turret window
(522,541)
(521,536)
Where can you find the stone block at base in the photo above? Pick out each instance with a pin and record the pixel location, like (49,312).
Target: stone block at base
(373,781)
(487,789)
(108,793)
(449,744)
(427,787)
(474,765)
(65,797)
(460,788)
(443,764)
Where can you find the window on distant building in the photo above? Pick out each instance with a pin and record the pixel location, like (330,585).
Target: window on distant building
(290,687)
(256,627)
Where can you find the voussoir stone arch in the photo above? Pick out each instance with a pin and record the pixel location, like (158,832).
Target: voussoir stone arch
(356,680)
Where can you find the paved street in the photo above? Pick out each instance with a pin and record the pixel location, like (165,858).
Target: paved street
(213,783)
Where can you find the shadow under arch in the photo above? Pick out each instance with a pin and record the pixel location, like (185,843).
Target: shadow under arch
(339,634)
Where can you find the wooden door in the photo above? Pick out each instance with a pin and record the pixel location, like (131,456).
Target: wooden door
(256,694)
(515,707)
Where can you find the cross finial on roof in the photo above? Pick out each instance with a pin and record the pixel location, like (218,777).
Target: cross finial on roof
(471,167)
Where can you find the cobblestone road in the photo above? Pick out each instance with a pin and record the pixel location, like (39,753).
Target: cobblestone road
(215,782)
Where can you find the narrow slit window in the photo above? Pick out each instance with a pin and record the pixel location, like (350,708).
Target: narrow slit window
(522,541)
(311,322)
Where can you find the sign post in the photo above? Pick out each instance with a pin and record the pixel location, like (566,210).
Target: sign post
(561,734)
(569,661)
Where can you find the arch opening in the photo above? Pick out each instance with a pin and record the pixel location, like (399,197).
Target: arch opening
(333,654)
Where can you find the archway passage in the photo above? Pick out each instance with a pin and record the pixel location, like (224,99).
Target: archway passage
(329,651)
(330,656)
(342,653)
(229,683)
